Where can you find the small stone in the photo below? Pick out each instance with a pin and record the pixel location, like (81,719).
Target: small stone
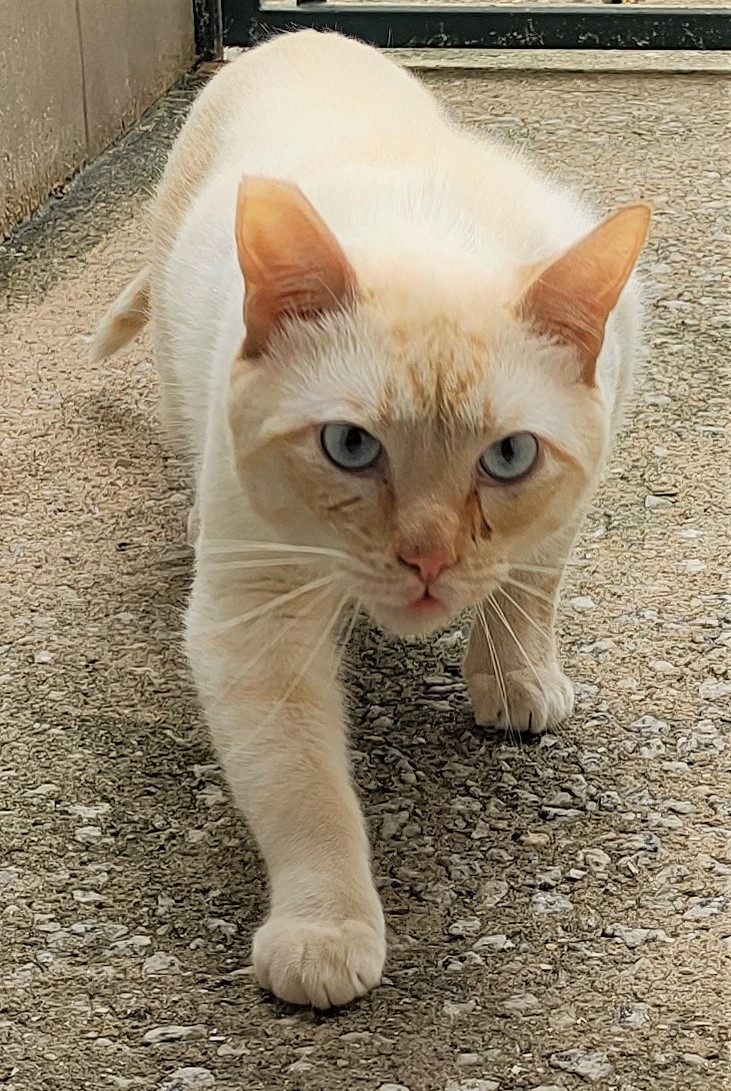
(228,1050)
(473,1085)
(132,945)
(455,1008)
(657,503)
(714,691)
(468,1060)
(549,878)
(546,903)
(87,812)
(637,937)
(188,1079)
(470,926)
(694,1060)
(522,1003)
(43,657)
(692,567)
(87,897)
(535,840)
(661,666)
(582,603)
(174,1033)
(497,942)
(211,795)
(588,1064)
(160,963)
(300,1066)
(493,891)
(706,907)
(652,749)
(87,834)
(633,1015)
(393,1087)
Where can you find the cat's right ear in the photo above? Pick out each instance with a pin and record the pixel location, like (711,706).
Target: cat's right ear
(293,266)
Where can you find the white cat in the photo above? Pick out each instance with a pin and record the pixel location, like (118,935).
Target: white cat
(396,355)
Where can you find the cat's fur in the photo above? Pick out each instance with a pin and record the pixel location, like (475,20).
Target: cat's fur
(433,311)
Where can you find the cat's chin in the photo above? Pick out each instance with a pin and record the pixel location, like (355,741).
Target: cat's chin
(407,621)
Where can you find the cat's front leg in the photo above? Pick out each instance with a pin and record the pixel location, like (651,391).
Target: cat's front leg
(275,711)
(511,668)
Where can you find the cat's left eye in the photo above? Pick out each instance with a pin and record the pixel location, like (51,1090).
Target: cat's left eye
(350,447)
(511,458)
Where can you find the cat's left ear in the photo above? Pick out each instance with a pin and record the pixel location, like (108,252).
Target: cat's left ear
(293,265)
(571,298)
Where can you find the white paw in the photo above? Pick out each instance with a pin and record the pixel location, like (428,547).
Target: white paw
(534,704)
(318,963)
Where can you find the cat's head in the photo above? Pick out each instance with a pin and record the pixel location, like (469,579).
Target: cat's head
(431,428)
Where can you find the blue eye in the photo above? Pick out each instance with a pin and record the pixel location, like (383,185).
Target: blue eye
(350,447)
(510,458)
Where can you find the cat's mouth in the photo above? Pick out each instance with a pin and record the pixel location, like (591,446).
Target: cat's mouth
(426,603)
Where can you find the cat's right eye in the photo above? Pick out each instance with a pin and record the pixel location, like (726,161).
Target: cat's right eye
(350,447)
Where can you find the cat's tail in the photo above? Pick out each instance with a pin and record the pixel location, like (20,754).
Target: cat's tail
(124,319)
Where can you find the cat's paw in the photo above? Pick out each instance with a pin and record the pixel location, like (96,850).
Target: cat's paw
(326,965)
(535,704)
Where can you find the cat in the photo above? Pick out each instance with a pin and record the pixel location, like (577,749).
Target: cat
(396,355)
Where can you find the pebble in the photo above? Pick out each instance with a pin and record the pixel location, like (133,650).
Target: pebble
(633,1015)
(522,1003)
(455,1008)
(174,1033)
(470,926)
(637,937)
(300,1066)
(393,1087)
(549,902)
(493,891)
(582,603)
(160,963)
(497,942)
(715,690)
(467,1060)
(656,503)
(188,1079)
(588,1064)
(87,834)
(472,1085)
(227,1050)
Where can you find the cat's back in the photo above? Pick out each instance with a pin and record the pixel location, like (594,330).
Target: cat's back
(298,99)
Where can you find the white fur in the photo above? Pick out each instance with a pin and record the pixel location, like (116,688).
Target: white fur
(390,174)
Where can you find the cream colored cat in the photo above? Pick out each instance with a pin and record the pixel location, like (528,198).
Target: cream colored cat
(396,355)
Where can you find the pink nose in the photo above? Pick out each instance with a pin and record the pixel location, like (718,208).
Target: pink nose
(428,565)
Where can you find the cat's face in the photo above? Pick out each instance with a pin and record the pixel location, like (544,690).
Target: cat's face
(429,427)
(426,438)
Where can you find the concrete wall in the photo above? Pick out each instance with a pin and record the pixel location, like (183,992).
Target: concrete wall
(73,75)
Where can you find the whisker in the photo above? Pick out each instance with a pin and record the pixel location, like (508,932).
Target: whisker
(273,604)
(509,628)
(235,566)
(269,645)
(529,590)
(295,681)
(516,605)
(499,678)
(233,545)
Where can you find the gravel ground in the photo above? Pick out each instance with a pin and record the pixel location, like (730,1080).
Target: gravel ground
(559,912)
